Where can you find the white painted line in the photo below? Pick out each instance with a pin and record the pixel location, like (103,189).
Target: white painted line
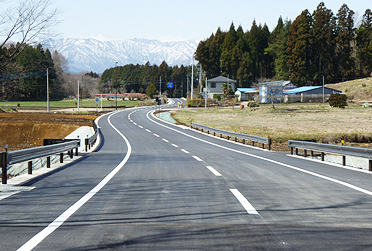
(156,135)
(214,171)
(34,241)
(147,130)
(140,126)
(245,203)
(134,123)
(174,145)
(197,158)
(165,140)
(183,150)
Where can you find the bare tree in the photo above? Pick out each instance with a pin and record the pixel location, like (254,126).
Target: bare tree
(26,22)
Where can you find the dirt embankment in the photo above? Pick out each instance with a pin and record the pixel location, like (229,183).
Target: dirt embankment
(22,130)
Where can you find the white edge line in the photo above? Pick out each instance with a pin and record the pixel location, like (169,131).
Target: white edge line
(34,241)
(245,203)
(270,160)
(214,171)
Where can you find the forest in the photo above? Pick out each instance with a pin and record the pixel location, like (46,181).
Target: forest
(137,78)
(303,51)
(24,77)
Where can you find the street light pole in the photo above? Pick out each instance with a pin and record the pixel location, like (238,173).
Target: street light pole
(116,87)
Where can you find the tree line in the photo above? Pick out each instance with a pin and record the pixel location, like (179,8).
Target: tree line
(138,78)
(312,46)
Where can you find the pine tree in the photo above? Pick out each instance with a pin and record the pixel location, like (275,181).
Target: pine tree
(344,38)
(364,45)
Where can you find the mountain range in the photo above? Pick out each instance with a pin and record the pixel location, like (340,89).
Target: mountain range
(97,56)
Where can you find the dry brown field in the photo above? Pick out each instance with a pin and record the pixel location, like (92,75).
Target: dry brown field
(22,130)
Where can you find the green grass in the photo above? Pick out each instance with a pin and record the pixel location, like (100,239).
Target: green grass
(85,103)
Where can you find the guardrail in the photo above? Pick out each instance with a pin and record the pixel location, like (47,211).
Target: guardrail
(91,140)
(13,157)
(244,137)
(335,149)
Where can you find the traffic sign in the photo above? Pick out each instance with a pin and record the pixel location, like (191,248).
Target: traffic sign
(97,99)
(170,85)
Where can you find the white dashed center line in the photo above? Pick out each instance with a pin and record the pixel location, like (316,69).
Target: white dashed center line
(214,171)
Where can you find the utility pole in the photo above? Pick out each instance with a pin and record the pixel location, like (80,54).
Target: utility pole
(160,86)
(323,89)
(192,78)
(206,92)
(78,96)
(48,109)
(116,86)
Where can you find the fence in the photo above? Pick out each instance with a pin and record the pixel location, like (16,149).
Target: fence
(244,137)
(335,149)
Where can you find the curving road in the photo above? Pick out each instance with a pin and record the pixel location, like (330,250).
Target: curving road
(153,185)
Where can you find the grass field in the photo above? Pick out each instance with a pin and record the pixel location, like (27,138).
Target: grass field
(69,103)
(313,122)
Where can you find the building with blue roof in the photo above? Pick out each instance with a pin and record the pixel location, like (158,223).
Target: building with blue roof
(246,94)
(308,94)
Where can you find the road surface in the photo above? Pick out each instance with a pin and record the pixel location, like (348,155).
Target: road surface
(153,185)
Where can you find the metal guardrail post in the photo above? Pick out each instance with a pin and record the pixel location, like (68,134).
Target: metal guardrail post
(71,152)
(61,158)
(48,162)
(4,166)
(86,144)
(76,151)
(322,156)
(29,167)
(344,160)
(370,165)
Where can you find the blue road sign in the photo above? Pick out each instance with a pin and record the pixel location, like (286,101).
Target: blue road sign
(170,85)
(97,99)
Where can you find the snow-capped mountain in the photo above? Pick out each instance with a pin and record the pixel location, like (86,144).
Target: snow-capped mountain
(97,56)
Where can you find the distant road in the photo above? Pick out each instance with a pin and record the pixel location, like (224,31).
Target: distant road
(157,186)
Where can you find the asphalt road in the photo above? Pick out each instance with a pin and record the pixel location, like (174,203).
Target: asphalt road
(157,186)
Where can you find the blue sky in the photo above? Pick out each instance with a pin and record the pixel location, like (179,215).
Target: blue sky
(171,20)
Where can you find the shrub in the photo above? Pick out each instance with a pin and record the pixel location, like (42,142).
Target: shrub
(253,104)
(338,100)
(195,102)
(217,96)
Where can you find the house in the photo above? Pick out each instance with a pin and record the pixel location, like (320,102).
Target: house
(214,86)
(308,94)
(246,94)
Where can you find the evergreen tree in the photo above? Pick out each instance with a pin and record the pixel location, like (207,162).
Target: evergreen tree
(299,49)
(324,42)
(344,38)
(364,45)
